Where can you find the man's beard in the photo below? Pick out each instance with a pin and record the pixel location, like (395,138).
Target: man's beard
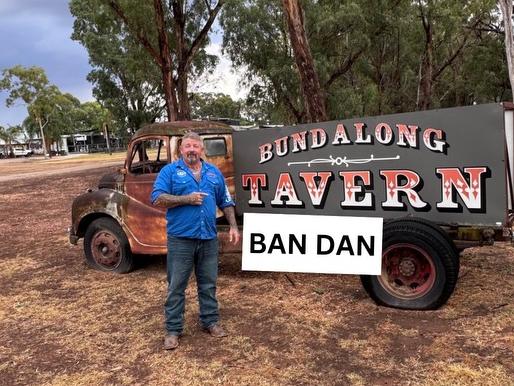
(192,158)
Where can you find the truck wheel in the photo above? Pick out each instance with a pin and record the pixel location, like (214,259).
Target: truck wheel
(434,226)
(420,267)
(106,246)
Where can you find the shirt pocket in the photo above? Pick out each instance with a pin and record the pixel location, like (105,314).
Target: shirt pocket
(212,185)
(180,186)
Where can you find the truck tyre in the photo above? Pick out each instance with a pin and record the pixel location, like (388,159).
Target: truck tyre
(435,227)
(420,267)
(106,246)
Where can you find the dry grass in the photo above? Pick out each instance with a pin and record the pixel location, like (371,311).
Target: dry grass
(21,166)
(62,323)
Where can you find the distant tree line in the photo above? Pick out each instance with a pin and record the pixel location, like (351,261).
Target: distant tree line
(303,60)
(51,113)
(312,60)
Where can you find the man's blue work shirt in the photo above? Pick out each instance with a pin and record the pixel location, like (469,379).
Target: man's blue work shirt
(192,221)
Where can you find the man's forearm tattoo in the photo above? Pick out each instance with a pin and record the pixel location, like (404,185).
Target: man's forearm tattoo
(170,201)
(230,215)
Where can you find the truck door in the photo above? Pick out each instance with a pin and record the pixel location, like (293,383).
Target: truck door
(146,222)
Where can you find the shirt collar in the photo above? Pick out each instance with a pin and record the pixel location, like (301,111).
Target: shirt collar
(184,166)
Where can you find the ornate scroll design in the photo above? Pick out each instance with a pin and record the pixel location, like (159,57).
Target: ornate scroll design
(342,161)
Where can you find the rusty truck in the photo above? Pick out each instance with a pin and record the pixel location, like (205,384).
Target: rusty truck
(440,180)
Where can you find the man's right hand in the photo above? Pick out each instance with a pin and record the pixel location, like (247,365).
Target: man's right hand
(196,198)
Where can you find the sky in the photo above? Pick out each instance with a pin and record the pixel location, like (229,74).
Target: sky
(37,33)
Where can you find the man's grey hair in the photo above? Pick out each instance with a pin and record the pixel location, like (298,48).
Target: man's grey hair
(192,135)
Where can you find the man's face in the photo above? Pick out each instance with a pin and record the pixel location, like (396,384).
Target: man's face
(191,151)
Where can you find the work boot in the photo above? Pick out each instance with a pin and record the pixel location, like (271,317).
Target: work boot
(216,331)
(170,342)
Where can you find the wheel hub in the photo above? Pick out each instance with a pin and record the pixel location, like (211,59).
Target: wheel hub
(106,249)
(407,267)
(408,271)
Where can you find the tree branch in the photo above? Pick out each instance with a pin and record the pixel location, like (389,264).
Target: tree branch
(137,34)
(459,49)
(287,101)
(195,46)
(343,68)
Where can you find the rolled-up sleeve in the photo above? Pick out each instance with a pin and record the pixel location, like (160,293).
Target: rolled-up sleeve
(162,184)
(223,197)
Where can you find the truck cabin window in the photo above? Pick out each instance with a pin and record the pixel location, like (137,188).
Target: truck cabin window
(215,147)
(149,156)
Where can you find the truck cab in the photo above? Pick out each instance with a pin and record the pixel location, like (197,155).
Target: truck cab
(118,220)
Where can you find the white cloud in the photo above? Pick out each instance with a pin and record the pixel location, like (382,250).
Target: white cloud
(224,79)
(37,33)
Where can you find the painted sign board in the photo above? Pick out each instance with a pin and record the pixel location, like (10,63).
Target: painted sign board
(445,165)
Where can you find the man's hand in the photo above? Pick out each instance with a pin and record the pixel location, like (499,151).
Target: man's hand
(196,198)
(233,235)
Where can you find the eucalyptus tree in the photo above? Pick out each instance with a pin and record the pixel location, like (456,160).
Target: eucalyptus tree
(448,33)
(314,100)
(172,35)
(93,116)
(506,7)
(125,80)
(32,87)
(214,105)
(256,40)
(259,40)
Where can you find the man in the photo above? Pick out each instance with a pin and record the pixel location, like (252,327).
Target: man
(191,189)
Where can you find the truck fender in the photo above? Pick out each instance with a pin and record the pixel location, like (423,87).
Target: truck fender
(95,204)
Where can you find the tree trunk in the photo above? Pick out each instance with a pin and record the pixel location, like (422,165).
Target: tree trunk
(313,96)
(185,54)
(183,99)
(179,23)
(426,68)
(43,142)
(506,8)
(106,136)
(166,67)
(175,108)
(169,94)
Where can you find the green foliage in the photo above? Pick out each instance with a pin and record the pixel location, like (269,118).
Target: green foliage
(127,79)
(9,135)
(368,55)
(23,83)
(255,39)
(49,110)
(214,105)
(124,77)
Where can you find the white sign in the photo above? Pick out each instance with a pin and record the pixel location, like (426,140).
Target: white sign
(307,243)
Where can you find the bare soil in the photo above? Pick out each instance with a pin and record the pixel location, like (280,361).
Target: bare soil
(63,323)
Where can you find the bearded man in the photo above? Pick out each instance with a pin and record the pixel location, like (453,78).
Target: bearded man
(191,189)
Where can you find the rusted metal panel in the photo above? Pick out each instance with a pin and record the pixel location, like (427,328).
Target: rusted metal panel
(225,245)
(125,195)
(182,127)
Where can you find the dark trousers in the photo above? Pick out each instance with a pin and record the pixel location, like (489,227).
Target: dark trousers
(183,256)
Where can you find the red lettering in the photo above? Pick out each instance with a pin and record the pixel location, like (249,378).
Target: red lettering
(393,188)
(256,182)
(316,191)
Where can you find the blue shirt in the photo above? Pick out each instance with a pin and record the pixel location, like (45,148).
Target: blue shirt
(192,221)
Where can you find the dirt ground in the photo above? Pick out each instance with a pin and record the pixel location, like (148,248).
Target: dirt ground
(62,323)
